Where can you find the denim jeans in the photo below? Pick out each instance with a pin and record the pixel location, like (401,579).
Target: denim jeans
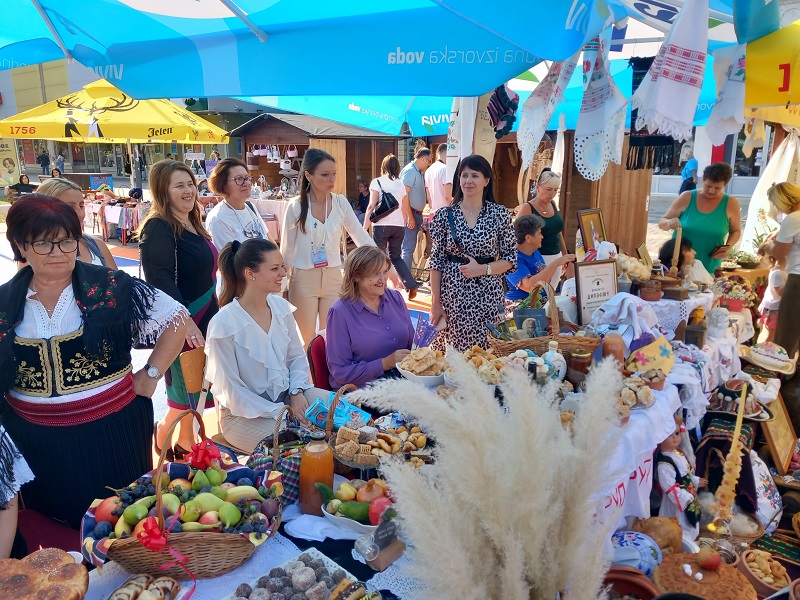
(389,238)
(410,241)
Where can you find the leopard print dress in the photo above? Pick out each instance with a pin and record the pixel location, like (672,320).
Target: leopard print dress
(469,303)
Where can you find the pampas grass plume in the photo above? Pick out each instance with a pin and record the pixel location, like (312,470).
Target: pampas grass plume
(511,508)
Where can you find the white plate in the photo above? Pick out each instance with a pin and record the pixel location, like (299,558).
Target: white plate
(348,523)
(430,381)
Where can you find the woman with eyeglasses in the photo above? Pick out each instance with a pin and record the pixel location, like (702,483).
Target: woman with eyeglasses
(543,204)
(68,397)
(311,242)
(233,219)
(179,258)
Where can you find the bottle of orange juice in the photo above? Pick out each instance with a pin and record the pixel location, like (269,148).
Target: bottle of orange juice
(316,466)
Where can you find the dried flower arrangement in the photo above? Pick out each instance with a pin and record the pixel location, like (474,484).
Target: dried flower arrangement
(510,508)
(735,288)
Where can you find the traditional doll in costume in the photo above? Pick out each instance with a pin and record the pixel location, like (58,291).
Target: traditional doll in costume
(678,484)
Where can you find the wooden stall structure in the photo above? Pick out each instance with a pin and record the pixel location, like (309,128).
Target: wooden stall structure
(358,151)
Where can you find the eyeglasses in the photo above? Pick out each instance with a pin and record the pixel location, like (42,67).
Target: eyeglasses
(45,247)
(240,179)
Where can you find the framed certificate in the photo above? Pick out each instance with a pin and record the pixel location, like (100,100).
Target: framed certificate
(596,283)
(644,255)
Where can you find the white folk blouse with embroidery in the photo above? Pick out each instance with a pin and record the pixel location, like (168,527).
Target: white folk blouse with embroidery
(37,324)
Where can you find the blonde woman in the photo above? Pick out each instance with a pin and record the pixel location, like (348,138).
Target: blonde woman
(311,242)
(544,206)
(786,250)
(179,259)
(90,250)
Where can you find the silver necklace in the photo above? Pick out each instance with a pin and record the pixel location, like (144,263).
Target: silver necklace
(47,310)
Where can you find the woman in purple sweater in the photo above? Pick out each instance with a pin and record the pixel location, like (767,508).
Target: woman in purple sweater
(369,329)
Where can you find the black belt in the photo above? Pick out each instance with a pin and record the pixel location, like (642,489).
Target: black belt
(463,260)
(415,211)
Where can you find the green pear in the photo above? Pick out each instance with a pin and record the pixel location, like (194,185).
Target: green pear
(148,501)
(134,513)
(215,476)
(208,502)
(200,481)
(229,514)
(171,502)
(190,511)
(219,492)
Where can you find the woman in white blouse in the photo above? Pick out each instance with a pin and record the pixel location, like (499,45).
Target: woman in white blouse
(311,241)
(256,361)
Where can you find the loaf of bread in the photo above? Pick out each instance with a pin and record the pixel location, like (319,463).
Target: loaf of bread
(47,573)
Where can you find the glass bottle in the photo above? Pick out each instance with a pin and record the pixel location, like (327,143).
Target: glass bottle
(579,366)
(316,466)
(624,283)
(614,345)
(556,360)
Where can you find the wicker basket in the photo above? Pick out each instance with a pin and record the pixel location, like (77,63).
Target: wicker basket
(566,343)
(739,537)
(342,465)
(210,554)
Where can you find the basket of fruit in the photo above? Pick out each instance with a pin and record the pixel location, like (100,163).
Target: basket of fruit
(204,517)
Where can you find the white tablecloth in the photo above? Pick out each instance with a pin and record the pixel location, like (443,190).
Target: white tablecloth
(646,429)
(671,312)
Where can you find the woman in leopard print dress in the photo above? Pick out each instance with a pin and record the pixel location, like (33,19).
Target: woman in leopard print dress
(467,265)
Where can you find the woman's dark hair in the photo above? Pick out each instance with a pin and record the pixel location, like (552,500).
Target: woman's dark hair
(27,179)
(53,173)
(477,163)
(234,259)
(9,161)
(390,166)
(311,160)
(718,172)
(219,176)
(36,216)
(666,251)
(527,225)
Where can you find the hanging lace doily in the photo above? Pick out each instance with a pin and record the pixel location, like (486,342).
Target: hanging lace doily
(540,105)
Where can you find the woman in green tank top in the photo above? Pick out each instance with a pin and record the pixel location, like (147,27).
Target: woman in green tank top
(708,216)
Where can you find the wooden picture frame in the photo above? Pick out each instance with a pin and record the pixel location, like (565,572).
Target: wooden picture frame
(592,227)
(781,438)
(644,255)
(595,283)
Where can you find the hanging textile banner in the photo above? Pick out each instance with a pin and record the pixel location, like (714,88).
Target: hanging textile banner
(540,105)
(773,68)
(667,98)
(484,140)
(727,116)
(600,133)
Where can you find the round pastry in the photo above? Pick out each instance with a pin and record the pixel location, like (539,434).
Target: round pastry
(243,591)
(303,579)
(305,558)
(770,356)
(260,594)
(726,583)
(277,572)
(47,573)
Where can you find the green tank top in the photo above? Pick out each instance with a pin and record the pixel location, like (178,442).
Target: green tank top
(706,230)
(551,232)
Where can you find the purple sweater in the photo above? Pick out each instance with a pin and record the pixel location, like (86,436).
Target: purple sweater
(357,339)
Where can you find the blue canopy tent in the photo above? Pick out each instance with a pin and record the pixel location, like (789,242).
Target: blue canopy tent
(207,48)
(429,115)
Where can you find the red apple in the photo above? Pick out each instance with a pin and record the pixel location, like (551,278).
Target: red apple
(209,518)
(708,558)
(106,507)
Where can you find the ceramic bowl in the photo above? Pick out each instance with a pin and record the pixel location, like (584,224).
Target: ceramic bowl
(762,589)
(348,523)
(431,381)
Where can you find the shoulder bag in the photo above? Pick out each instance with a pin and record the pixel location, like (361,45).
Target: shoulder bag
(386,205)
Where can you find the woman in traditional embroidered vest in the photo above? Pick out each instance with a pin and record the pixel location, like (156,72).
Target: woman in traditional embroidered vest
(179,259)
(79,416)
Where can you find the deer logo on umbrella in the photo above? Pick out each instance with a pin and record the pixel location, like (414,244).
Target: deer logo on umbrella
(73,106)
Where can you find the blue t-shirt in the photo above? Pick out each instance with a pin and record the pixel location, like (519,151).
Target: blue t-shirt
(691,165)
(527,264)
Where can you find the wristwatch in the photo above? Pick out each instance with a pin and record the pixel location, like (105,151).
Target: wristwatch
(296,391)
(153,372)
(488,269)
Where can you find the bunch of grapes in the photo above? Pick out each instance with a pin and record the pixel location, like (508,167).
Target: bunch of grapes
(185,495)
(141,488)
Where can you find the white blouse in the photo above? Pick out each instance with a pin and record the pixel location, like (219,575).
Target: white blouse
(22,472)
(37,324)
(297,246)
(245,363)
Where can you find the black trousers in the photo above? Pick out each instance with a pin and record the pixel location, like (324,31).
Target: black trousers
(389,238)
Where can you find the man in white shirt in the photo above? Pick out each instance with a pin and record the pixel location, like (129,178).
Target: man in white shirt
(440,191)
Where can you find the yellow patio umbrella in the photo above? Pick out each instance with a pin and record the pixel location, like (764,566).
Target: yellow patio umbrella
(102,114)
(773,69)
